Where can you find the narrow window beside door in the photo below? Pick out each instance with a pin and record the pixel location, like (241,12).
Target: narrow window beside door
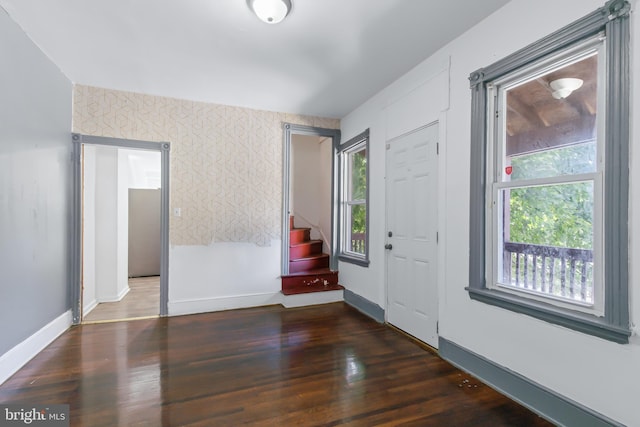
(354,195)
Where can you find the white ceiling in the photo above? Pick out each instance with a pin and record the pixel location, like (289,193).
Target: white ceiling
(326,58)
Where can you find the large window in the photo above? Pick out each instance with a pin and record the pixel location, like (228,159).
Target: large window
(549,179)
(354,184)
(546,180)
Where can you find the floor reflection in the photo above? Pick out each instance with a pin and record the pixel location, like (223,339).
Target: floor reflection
(354,369)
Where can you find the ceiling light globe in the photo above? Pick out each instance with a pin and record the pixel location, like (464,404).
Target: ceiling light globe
(271,11)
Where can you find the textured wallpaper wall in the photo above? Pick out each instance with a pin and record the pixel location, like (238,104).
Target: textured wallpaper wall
(226,162)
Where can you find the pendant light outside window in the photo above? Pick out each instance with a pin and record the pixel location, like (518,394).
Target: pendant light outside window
(563,87)
(270,11)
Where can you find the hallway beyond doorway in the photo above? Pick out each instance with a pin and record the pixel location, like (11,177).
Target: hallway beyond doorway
(140,301)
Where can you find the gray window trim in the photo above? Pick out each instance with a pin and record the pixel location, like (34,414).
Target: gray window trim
(613,19)
(341,149)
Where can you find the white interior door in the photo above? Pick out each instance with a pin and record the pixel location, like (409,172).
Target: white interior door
(412,218)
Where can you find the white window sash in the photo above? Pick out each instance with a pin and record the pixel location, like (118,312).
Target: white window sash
(496,98)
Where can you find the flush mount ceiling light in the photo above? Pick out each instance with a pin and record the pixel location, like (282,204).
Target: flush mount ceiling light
(270,11)
(563,87)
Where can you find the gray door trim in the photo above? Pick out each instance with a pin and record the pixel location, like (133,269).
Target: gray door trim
(290,130)
(76,226)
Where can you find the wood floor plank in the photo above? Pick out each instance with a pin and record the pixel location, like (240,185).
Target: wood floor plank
(325,365)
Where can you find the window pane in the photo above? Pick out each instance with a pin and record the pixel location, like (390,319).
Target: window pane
(571,160)
(550,129)
(357,230)
(358,166)
(547,240)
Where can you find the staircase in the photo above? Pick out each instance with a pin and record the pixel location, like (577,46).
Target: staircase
(308,267)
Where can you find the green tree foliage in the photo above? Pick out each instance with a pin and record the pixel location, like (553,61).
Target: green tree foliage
(359,190)
(553,215)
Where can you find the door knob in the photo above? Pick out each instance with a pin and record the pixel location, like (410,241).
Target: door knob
(388,246)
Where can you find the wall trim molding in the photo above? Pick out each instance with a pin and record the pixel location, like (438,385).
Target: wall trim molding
(545,402)
(364,306)
(205,305)
(18,356)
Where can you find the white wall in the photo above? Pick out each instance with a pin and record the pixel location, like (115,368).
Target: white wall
(222,276)
(122,224)
(108,273)
(89,299)
(593,372)
(324,193)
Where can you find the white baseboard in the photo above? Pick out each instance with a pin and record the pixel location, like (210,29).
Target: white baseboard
(312,298)
(19,355)
(116,298)
(123,293)
(86,310)
(204,305)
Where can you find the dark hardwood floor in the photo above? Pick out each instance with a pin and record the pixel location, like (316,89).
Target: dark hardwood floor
(325,365)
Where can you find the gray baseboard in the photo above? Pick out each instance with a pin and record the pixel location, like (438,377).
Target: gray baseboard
(364,306)
(541,400)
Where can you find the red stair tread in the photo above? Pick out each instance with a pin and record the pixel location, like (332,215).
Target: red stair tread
(311,257)
(293,245)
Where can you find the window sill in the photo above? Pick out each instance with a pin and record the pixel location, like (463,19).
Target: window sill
(581,322)
(362,262)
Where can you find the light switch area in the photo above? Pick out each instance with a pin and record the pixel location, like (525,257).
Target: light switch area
(177,211)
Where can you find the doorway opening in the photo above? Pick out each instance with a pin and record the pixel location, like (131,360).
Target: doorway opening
(309,240)
(121,206)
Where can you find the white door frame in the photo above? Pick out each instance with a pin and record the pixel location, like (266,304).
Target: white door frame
(76,229)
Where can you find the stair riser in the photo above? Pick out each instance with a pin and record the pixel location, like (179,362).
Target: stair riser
(310,289)
(299,236)
(294,282)
(308,264)
(304,251)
